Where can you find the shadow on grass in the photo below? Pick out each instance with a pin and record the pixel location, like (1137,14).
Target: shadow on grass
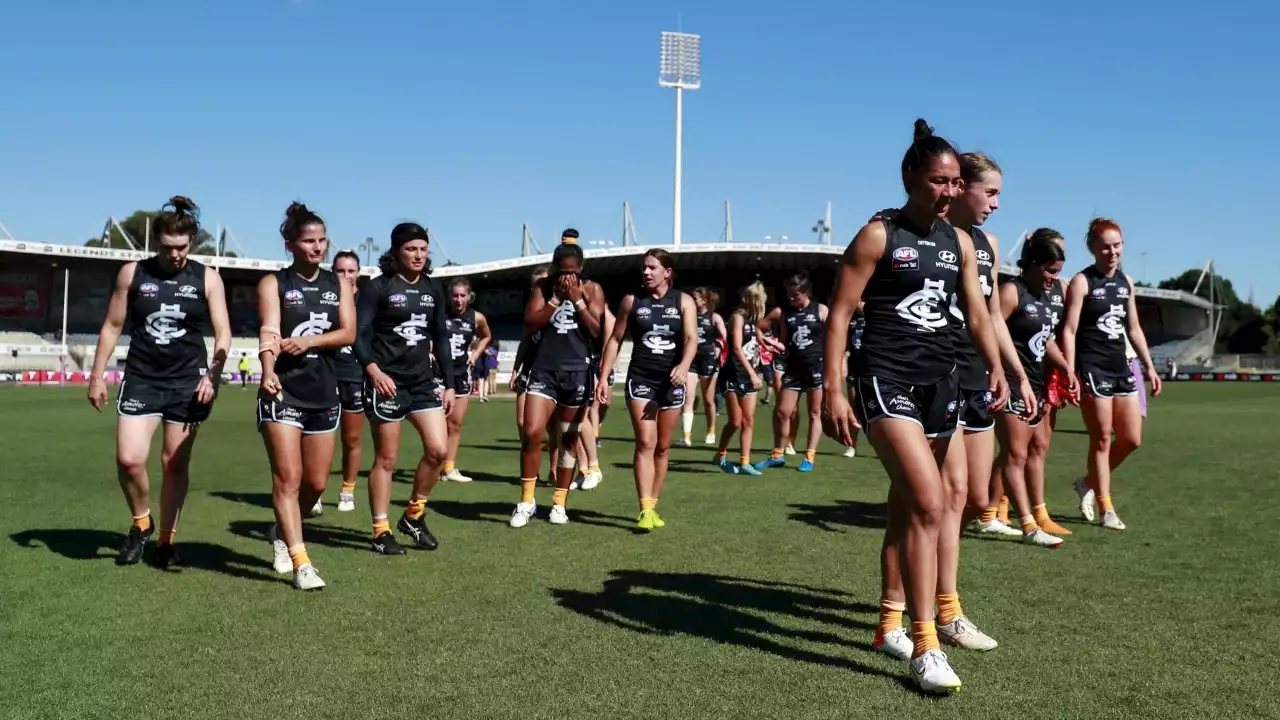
(847,513)
(84,544)
(500,512)
(256,499)
(727,610)
(700,467)
(313,533)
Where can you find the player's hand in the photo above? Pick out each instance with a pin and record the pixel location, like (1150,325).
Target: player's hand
(573,291)
(294,346)
(270,385)
(511,384)
(1156,384)
(999,389)
(604,393)
(383,384)
(206,391)
(755,379)
(97,393)
(886,214)
(561,288)
(1029,399)
(680,375)
(1073,390)
(838,420)
(447,399)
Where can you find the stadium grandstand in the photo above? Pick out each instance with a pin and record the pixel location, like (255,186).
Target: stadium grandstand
(36,305)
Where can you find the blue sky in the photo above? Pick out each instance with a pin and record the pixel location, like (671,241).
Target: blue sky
(476,117)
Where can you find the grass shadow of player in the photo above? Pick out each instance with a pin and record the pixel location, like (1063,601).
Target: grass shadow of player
(256,499)
(488,477)
(733,611)
(314,533)
(701,467)
(86,544)
(847,513)
(513,449)
(500,512)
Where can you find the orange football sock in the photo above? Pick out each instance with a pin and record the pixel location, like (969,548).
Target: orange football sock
(890,617)
(526,489)
(416,508)
(1104,503)
(559,496)
(988,515)
(143,523)
(380,525)
(298,554)
(166,536)
(948,607)
(925,636)
(647,503)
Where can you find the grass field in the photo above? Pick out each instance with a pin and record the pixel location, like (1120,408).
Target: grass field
(757,601)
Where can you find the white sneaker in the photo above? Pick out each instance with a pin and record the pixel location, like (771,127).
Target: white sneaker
(933,673)
(1111,521)
(346,502)
(307,578)
(576,484)
(995,527)
(791,449)
(280,559)
(961,632)
(710,439)
(686,442)
(520,516)
(1040,538)
(897,645)
(1086,500)
(592,480)
(455,475)
(558,515)
(851,452)
(316,510)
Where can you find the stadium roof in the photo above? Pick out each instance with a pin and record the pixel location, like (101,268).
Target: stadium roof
(608,261)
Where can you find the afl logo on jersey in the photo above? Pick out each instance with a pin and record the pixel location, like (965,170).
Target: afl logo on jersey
(397,300)
(1031,310)
(293,297)
(906,258)
(643,312)
(162,324)
(149,289)
(1099,292)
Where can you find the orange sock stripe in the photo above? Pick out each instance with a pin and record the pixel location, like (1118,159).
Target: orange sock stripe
(948,607)
(559,496)
(527,486)
(381,525)
(989,515)
(890,617)
(647,503)
(416,509)
(1104,502)
(143,523)
(925,636)
(298,554)
(348,487)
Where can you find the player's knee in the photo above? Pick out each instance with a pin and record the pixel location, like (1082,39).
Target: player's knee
(174,464)
(132,462)
(434,453)
(927,509)
(646,444)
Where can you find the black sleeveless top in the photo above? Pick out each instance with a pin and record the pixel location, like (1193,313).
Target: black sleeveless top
(1030,327)
(1100,334)
(462,332)
(857,324)
(657,335)
(806,336)
(908,335)
(167,322)
(308,307)
(707,335)
(399,323)
(566,345)
(1056,296)
(970,370)
(750,347)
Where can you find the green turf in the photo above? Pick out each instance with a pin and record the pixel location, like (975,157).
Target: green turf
(756,601)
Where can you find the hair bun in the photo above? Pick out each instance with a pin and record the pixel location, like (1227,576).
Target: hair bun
(296,209)
(922,130)
(183,204)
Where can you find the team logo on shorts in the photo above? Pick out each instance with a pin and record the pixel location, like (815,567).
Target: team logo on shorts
(952,407)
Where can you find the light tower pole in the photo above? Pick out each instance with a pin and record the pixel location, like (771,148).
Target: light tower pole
(680,67)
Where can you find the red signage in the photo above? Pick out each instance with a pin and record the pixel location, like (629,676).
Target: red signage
(23,294)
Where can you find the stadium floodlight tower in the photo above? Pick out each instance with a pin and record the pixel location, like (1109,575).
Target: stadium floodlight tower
(680,67)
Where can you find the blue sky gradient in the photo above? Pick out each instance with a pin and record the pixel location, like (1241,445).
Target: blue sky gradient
(476,117)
